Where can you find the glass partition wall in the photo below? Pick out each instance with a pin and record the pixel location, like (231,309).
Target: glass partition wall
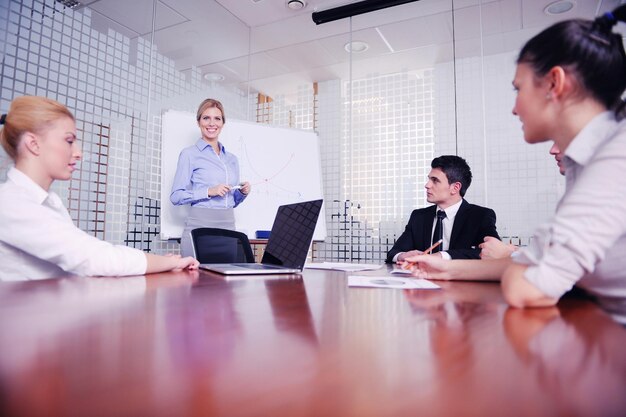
(385,91)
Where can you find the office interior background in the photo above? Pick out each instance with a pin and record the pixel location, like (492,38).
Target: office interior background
(385,91)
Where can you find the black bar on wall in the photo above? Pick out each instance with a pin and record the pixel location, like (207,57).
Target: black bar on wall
(354,9)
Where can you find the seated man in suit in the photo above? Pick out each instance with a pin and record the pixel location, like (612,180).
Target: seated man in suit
(462,227)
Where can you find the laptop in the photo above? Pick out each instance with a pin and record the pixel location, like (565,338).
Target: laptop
(288,244)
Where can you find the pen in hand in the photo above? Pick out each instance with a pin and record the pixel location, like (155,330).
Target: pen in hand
(407,264)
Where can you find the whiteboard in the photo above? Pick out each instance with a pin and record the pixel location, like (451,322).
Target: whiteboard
(282,165)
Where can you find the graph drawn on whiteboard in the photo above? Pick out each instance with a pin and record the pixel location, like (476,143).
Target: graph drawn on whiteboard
(266,179)
(282,165)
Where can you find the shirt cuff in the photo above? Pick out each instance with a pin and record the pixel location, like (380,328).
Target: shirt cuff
(550,281)
(445,255)
(201,194)
(395,258)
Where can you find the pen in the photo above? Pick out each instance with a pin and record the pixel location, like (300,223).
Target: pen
(426,252)
(437,243)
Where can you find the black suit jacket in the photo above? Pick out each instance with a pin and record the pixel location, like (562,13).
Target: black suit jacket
(471,224)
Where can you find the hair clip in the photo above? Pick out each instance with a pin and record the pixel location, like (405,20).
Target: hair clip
(3,119)
(599,39)
(610,17)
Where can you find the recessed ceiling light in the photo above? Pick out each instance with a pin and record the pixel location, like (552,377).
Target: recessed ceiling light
(296,4)
(559,7)
(356,46)
(213,76)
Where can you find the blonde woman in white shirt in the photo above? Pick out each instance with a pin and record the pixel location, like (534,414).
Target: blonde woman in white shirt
(38,239)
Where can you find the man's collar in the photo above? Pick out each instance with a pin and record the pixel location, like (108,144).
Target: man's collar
(453,209)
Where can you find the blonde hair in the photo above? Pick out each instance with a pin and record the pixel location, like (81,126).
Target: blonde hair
(29,114)
(208,103)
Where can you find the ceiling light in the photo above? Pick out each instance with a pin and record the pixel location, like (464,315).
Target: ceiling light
(356,47)
(213,76)
(558,7)
(296,4)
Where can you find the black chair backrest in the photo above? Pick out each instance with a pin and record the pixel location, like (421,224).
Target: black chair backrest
(219,246)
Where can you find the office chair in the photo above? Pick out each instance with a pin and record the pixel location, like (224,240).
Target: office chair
(218,246)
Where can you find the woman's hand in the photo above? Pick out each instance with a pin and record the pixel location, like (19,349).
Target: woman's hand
(245,188)
(493,248)
(430,267)
(219,190)
(160,263)
(188,262)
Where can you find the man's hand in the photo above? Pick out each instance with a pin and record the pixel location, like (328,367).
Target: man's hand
(404,255)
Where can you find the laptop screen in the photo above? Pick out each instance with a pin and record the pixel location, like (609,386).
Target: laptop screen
(291,234)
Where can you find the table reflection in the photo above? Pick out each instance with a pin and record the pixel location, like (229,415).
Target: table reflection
(290,308)
(576,354)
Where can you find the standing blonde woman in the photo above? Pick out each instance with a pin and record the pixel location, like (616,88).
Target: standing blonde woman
(207,178)
(38,238)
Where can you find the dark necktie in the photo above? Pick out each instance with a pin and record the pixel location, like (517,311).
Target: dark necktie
(439,229)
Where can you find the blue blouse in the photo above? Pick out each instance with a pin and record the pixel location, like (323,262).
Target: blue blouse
(200,168)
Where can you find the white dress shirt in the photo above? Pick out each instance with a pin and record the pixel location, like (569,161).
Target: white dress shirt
(38,239)
(585,244)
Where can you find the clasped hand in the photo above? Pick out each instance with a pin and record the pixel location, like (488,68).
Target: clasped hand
(223,189)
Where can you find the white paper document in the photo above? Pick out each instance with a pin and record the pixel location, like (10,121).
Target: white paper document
(390,282)
(342,266)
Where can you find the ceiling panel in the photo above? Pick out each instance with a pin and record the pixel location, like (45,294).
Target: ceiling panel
(263,65)
(136,15)
(423,31)
(500,16)
(299,29)
(302,56)
(336,45)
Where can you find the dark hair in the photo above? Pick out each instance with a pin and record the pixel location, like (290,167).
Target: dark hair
(588,49)
(456,170)
(208,103)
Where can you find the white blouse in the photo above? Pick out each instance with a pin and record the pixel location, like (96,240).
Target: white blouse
(585,244)
(38,239)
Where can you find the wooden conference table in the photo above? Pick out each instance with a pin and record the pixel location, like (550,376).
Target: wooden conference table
(194,344)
